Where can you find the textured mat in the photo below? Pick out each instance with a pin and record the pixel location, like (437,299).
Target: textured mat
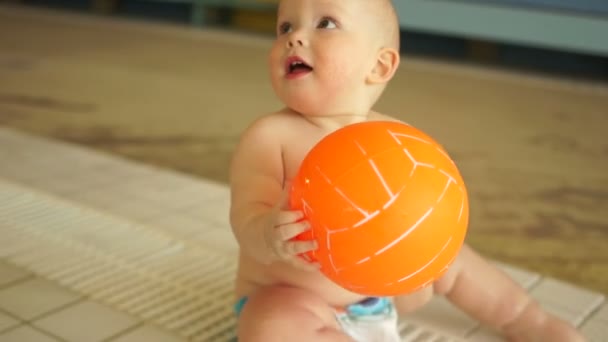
(156,244)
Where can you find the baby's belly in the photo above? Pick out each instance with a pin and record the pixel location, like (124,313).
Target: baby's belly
(253,275)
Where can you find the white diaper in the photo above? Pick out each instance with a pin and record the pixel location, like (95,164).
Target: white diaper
(372,320)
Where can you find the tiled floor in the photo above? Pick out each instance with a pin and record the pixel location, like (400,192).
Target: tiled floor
(95,248)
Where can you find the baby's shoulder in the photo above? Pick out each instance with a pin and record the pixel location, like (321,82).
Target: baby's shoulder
(270,126)
(274,119)
(376,116)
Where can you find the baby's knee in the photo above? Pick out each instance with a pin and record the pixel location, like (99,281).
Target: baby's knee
(279,313)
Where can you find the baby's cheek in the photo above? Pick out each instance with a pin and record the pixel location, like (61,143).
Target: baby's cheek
(336,79)
(343,70)
(275,60)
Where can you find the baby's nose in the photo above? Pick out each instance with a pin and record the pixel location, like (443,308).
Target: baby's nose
(296,39)
(294,42)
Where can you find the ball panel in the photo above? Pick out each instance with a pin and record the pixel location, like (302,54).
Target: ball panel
(321,203)
(373,184)
(391,224)
(409,256)
(369,281)
(349,144)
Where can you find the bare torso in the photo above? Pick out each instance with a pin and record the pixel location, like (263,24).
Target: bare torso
(297,136)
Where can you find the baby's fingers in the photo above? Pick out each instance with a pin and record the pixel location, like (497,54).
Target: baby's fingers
(286,217)
(289,231)
(299,247)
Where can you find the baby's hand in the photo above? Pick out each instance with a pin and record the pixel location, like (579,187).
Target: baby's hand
(280,232)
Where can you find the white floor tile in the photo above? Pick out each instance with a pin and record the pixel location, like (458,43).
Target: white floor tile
(10,273)
(596,328)
(565,300)
(26,334)
(220,240)
(214,210)
(147,333)
(34,297)
(486,335)
(86,322)
(179,225)
(7,322)
(447,318)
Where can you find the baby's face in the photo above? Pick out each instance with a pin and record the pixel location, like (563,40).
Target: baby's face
(323,51)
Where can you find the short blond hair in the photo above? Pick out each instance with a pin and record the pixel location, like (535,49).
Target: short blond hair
(387,20)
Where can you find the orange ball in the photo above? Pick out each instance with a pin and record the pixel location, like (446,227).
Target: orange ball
(387,206)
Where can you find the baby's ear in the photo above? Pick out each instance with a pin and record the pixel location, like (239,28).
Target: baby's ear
(387,62)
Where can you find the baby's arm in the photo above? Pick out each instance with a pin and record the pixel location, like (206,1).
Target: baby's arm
(487,294)
(261,223)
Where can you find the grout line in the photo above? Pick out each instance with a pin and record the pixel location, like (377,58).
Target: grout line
(535,283)
(10,315)
(473,330)
(46,332)
(17,282)
(57,309)
(12,327)
(24,324)
(592,313)
(21,324)
(124,332)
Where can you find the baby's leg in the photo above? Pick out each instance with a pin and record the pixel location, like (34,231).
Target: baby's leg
(278,313)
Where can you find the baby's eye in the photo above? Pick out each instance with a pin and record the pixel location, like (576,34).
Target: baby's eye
(284,28)
(327,23)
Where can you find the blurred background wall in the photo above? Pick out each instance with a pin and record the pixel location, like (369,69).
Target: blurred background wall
(568,38)
(562,37)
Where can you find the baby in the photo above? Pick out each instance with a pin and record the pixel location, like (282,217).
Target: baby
(329,64)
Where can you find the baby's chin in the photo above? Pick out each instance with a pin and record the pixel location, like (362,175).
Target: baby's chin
(322,109)
(315,103)
(306,105)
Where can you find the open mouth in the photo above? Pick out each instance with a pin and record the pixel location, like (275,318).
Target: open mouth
(296,66)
